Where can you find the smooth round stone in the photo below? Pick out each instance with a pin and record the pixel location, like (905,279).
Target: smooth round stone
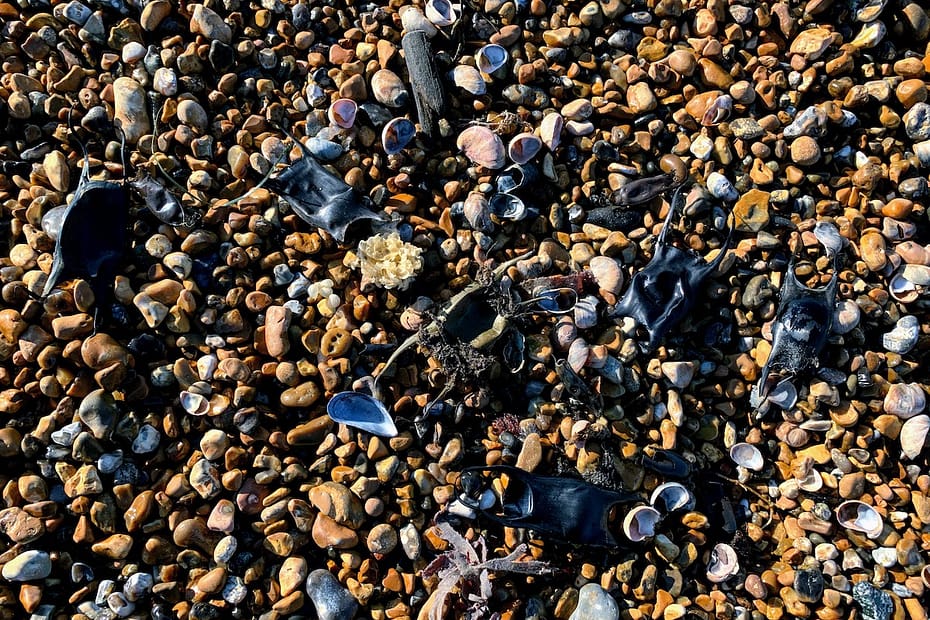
(131,108)
(808,583)
(192,114)
(595,602)
(917,121)
(28,566)
(138,585)
(805,151)
(382,539)
(133,52)
(746,128)
(213,444)
(205,479)
(234,590)
(225,549)
(329,598)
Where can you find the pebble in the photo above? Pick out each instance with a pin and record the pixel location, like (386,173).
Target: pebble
(330,600)
(130,109)
(905,400)
(28,566)
(207,22)
(595,602)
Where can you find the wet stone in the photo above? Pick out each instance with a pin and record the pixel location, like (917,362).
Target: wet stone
(808,583)
(595,602)
(330,600)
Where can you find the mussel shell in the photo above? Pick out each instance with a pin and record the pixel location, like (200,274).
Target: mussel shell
(361,411)
(440,13)
(469,79)
(723,564)
(640,523)
(672,496)
(397,134)
(342,113)
(860,517)
(507,207)
(747,455)
(523,147)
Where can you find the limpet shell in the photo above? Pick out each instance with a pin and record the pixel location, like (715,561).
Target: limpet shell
(342,113)
(860,517)
(723,563)
(491,57)
(363,412)
(640,523)
(672,496)
(482,146)
(747,455)
(469,79)
(523,147)
(397,134)
(441,13)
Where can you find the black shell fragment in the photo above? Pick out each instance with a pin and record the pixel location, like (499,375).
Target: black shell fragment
(319,197)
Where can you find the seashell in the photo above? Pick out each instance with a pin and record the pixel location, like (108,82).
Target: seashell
(672,496)
(564,333)
(718,111)
(469,79)
(518,177)
(925,575)
(870,10)
(846,316)
(342,113)
(723,563)
(585,312)
(507,207)
(478,213)
(720,187)
(491,57)
(550,130)
(784,395)
(913,435)
(193,403)
(902,289)
(905,400)
(523,147)
(640,523)
(361,411)
(389,89)
(482,146)
(441,13)
(52,221)
(747,455)
(811,481)
(577,354)
(829,237)
(607,273)
(860,517)
(397,134)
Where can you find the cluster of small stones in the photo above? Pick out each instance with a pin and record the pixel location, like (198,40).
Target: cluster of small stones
(177,461)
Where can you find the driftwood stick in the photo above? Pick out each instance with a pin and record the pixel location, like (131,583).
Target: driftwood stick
(424,80)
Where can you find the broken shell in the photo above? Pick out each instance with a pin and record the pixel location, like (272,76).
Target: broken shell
(672,496)
(607,273)
(482,146)
(829,236)
(811,481)
(491,57)
(550,130)
(913,435)
(902,289)
(397,134)
(925,575)
(784,395)
(723,563)
(478,213)
(860,517)
(361,411)
(747,455)
(585,312)
(507,207)
(342,113)
(193,403)
(718,111)
(523,147)
(441,13)
(52,221)
(469,79)
(640,523)
(564,333)
(577,354)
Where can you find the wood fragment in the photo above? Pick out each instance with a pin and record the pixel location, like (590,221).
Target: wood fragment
(424,81)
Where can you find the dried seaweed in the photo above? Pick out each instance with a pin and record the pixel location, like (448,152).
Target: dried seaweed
(466,567)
